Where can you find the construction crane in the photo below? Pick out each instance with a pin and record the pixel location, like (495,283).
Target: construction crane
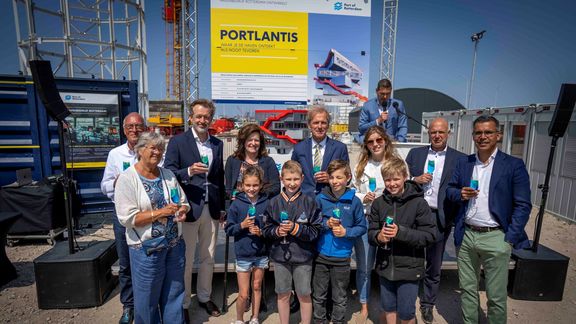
(171,14)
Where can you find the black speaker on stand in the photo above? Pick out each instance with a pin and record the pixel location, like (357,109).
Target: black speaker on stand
(540,272)
(69,278)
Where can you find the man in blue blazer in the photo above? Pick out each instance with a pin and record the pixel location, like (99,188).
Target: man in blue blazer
(431,167)
(495,190)
(315,153)
(203,184)
(384,111)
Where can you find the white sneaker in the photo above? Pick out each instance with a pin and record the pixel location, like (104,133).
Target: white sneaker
(254,321)
(237,322)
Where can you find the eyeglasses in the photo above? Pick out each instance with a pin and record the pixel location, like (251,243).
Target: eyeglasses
(154,148)
(134,126)
(485,133)
(378,141)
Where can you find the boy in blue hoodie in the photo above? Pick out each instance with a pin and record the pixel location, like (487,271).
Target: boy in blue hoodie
(342,222)
(292,224)
(245,219)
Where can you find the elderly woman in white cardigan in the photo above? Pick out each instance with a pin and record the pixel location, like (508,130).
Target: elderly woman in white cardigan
(151,204)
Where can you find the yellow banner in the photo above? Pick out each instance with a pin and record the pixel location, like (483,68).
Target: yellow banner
(258,41)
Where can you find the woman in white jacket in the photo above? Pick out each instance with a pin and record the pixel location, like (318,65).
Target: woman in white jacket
(369,185)
(151,204)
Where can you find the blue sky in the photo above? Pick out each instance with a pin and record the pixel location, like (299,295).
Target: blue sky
(526,53)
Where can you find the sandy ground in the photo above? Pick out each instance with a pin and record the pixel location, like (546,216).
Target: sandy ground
(19,304)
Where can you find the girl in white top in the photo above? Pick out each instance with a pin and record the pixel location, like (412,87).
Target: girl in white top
(369,185)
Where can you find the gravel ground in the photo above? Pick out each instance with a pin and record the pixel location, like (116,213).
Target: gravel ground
(19,305)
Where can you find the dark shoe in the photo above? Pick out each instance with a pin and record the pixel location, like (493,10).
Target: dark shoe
(186,315)
(211,308)
(427,314)
(127,316)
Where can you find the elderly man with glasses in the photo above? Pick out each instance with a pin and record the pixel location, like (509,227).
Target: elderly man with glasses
(120,159)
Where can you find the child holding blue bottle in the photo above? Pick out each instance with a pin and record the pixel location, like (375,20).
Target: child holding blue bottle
(292,224)
(343,222)
(401,226)
(245,220)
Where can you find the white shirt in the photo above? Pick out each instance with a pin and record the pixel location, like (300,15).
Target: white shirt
(204,148)
(117,157)
(438,158)
(371,170)
(478,213)
(322,148)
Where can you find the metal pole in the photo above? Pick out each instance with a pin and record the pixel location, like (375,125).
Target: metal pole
(544,187)
(469,100)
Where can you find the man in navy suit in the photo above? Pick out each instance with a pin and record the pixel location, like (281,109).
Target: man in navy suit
(315,153)
(432,166)
(195,157)
(495,189)
(386,112)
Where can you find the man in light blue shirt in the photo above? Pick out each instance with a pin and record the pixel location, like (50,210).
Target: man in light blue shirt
(385,112)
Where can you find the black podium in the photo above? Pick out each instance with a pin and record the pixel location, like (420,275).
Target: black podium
(7,270)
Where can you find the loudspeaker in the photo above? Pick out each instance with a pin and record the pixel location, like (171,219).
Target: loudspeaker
(563,111)
(46,87)
(82,279)
(538,276)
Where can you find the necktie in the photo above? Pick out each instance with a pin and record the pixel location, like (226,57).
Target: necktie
(317,156)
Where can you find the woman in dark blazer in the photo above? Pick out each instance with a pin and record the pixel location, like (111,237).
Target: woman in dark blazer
(251,150)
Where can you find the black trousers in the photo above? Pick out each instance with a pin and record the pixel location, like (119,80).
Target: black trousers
(434,254)
(338,278)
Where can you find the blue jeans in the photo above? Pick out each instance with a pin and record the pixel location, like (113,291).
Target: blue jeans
(400,297)
(365,257)
(124,274)
(158,281)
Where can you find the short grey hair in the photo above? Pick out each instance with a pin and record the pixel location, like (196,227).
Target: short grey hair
(149,138)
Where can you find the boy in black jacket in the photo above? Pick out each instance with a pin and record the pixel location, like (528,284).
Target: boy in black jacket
(292,223)
(400,256)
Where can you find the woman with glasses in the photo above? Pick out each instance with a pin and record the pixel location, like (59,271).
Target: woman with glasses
(151,204)
(369,185)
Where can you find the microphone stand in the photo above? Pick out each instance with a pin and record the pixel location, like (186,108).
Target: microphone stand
(398,112)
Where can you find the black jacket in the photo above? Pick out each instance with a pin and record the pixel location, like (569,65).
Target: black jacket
(404,260)
(301,246)
(271,175)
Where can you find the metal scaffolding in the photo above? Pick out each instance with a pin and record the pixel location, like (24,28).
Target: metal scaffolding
(102,39)
(389,25)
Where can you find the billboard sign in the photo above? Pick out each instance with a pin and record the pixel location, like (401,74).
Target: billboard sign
(289,52)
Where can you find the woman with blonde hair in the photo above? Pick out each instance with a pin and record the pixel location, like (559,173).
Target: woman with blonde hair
(367,180)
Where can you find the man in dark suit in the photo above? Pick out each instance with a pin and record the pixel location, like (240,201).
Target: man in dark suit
(315,153)
(495,189)
(196,159)
(432,166)
(385,112)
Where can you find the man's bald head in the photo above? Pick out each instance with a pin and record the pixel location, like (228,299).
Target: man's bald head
(438,132)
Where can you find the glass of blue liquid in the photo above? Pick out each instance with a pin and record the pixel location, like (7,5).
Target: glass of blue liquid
(474,184)
(125,165)
(372,184)
(283,219)
(336,214)
(316,169)
(387,223)
(431,166)
(252,212)
(175,196)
